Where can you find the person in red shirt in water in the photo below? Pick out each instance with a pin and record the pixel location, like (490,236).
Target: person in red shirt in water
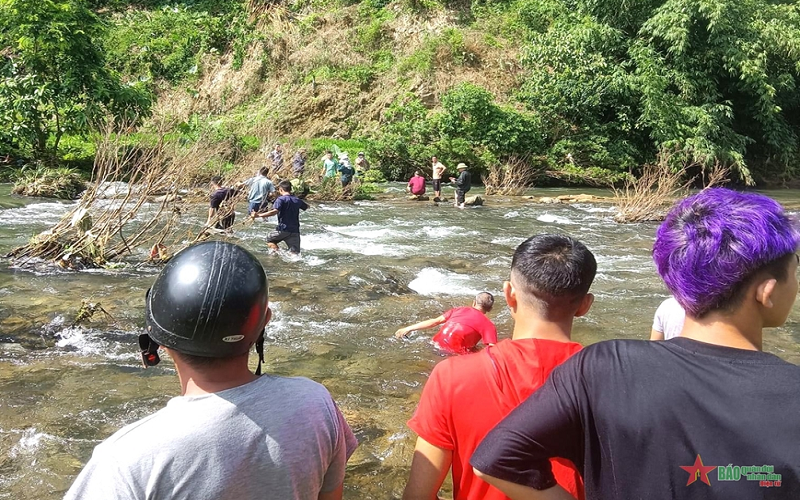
(465,397)
(416,184)
(463,327)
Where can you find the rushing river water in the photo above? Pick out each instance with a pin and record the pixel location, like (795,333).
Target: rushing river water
(367,268)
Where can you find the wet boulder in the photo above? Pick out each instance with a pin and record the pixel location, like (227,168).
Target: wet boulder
(473,201)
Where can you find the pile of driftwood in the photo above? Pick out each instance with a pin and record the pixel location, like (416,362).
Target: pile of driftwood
(132,204)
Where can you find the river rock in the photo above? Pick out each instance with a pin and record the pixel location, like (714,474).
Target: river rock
(548,200)
(418,197)
(473,201)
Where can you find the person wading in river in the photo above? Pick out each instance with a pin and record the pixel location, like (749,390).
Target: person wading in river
(463,327)
(466,396)
(231,435)
(655,420)
(287,207)
(220,210)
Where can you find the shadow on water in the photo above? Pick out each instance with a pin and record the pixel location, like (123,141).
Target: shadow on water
(367,268)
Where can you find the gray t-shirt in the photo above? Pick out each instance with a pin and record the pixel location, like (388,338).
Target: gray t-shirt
(275,437)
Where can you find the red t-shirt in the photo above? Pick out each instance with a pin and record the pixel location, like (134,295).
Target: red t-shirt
(417,185)
(463,329)
(466,396)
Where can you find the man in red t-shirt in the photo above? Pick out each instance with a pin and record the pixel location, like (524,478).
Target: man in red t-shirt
(416,184)
(463,327)
(465,397)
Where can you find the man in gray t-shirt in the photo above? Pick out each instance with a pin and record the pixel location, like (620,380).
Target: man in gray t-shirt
(231,435)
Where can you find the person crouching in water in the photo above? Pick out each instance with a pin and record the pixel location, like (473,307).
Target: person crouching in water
(416,184)
(287,207)
(463,327)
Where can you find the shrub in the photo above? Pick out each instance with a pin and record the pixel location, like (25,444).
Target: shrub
(64,183)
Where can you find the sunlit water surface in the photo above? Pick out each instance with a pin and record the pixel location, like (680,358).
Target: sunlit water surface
(367,268)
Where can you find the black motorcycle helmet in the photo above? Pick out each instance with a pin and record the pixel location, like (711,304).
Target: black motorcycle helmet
(210,300)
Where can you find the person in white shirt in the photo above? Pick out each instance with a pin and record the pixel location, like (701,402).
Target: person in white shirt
(668,321)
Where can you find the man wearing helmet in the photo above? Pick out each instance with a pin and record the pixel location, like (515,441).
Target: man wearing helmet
(231,434)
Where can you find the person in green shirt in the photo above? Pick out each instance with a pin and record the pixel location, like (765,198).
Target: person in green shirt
(329,165)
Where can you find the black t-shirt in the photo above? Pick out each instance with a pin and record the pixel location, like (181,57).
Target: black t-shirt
(288,207)
(629,414)
(463,182)
(216,200)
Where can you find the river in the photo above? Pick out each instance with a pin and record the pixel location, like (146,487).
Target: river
(367,268)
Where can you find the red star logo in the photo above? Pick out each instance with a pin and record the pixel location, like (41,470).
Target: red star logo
(698,471)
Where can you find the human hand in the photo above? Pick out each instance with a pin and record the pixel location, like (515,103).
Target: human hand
(401,333)
(452,179)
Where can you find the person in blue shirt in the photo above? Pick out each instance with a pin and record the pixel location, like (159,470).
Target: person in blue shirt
(346,170)
(287,207)
(261,189)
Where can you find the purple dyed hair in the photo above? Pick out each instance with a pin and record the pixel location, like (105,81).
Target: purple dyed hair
(713,241)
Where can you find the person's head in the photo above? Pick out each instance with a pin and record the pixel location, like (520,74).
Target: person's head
(277,147)
(207,306)
(285,187)
(720,246)
(434,159)
(484,301)
(216,182)
(329,154)
(417,173)
(551,275)
(461,166)
(360,154)
(263,171)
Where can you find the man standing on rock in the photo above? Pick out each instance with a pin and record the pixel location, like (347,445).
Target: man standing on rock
(437,173)
(231,434)
(462,184)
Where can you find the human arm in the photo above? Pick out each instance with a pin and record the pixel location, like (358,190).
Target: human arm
(211,212)
(422,325)
(428,470)
(656,335)
(268,213)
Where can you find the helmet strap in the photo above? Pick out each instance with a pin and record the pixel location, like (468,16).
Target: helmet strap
(260,350)
(149,350)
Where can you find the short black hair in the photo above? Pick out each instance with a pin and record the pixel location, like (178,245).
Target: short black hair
(263,171)
(285,185)
(216,180)
(553,271)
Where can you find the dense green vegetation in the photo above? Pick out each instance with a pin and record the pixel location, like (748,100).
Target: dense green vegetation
(585,90)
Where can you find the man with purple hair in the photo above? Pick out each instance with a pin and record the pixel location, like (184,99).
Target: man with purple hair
(637,416)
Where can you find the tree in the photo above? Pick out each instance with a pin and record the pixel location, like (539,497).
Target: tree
(715,80)
(53,76)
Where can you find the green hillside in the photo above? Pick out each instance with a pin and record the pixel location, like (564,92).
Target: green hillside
(578,90)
